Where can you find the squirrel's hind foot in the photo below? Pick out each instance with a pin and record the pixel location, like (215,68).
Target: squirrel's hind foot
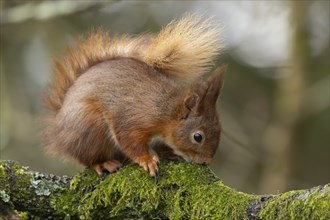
(110,165)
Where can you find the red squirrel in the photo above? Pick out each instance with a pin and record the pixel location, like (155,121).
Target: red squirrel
(115,96)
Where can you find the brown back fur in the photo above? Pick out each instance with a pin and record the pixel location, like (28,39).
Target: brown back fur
(121,99)
(183,50)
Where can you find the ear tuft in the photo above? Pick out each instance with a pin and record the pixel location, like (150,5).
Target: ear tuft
(217,77)
(215,83)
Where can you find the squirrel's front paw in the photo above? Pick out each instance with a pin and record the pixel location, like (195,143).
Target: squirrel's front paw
(149,164)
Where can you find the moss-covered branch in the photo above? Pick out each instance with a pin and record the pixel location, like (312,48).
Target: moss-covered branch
(182,190)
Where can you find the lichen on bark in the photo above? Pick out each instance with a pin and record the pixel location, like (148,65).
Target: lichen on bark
(181,191)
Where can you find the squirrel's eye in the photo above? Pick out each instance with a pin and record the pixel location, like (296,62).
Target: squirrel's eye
(198,137)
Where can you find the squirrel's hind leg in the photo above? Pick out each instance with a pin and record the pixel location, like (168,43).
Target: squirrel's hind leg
(110,165)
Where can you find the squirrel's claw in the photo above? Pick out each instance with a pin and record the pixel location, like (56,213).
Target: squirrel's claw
(98,169)
(110,165)
(150,164)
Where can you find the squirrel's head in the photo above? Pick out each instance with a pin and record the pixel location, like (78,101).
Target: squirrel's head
(197,134)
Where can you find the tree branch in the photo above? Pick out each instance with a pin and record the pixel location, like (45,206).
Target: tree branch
(182,190)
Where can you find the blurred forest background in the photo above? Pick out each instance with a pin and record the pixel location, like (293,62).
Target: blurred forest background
(274,107)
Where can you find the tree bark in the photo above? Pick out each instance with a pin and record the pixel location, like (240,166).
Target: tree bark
(181,191)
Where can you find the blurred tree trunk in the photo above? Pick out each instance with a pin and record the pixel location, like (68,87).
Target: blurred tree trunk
(279,142)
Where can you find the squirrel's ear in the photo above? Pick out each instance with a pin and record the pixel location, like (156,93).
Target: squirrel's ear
(190,103)
(215,83)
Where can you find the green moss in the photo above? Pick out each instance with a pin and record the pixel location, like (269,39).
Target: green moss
(181,191)
(27,215)
(2,171)
(3,176)
(68,204)
(21,176)
(201,195)
(309,204)
(4,185)
(20,170)
(23,179)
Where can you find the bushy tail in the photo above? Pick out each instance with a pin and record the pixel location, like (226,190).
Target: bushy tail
(183,50)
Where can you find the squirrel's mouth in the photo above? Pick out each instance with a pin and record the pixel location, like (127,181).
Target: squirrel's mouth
(183,155)
(194,158)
